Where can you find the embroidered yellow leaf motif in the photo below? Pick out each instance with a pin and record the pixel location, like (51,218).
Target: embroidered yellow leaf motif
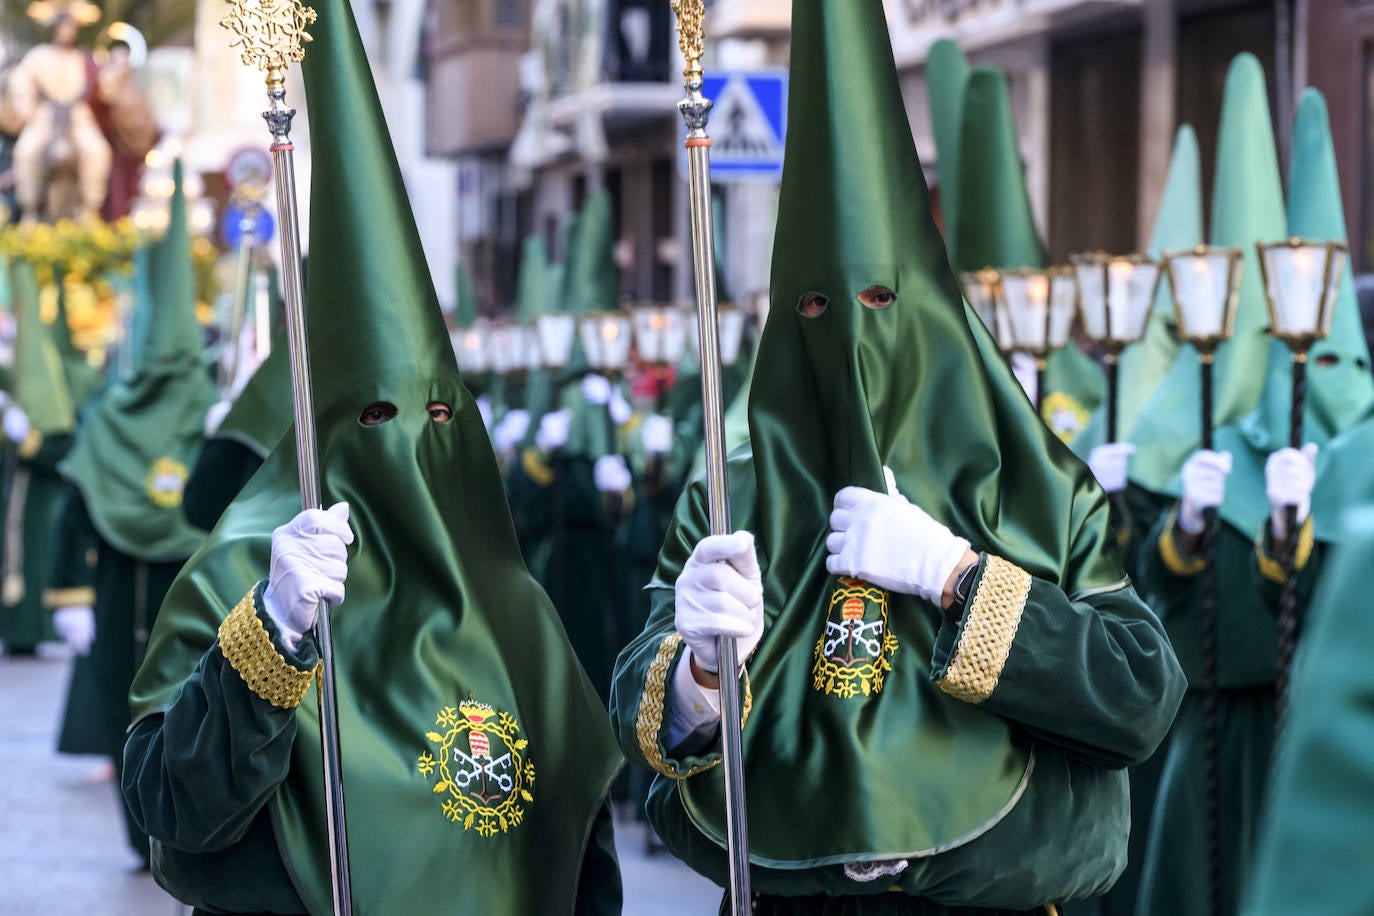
(526,795)
(467,822)
(435,737)
(522,744)
(442,786)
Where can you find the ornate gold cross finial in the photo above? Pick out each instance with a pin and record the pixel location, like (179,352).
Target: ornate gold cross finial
(691,34)
(271,33)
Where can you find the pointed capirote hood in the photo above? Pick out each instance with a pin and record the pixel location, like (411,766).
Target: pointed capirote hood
(947,73)
(1340,389)
(1247,206)
(532,297)
(39,382)
(593,278)
(136,447)
(443,631)
(83,379)
(1146,363)
(996,229)
(173,332)
(841,390)
(465,298)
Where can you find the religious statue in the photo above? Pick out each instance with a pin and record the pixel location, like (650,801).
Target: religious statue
(61,157)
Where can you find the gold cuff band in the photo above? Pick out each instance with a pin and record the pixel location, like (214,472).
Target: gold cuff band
(1173,557)
(534,466)
(31,444)
(249,650)
(1271,567)
(990,625)
(55,598)
(650,720)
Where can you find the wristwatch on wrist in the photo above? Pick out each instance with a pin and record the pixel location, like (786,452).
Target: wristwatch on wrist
(963,587)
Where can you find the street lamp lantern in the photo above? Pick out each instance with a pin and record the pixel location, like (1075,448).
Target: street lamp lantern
(606,339)
(983,289)
(470,346)
(1115,294)
(1302,282)
(660,334)
(556,333)
(1205,285)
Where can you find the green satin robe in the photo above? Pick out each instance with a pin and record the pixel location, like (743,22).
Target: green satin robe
(32,507)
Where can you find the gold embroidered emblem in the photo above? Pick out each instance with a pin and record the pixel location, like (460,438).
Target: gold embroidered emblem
(852,654)
(166,482)
(483,768)
(1063,414)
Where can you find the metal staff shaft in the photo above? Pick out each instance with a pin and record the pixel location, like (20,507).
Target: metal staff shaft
(1211,724)
(696,112)
(278,118)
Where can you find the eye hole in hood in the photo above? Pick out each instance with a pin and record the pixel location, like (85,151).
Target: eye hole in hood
(878,298)
(377,413)
(439,412)
(813,305)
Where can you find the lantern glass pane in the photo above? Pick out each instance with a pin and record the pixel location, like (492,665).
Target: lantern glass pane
(1133,286)
(556,336)
(731,322)
(1339,259)
(1296,275)
(1063,304)
(982,296)
(531,353)
(502,350)
(649,324)
(469,346)
(588,329)
(1201,285)
(1028,299)
(1092,291)
(616,339)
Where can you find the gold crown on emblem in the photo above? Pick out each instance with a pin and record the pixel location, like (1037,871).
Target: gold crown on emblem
(47,12)
(476,712)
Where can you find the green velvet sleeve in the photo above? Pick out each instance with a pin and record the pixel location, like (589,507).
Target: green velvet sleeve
(196,776)
(599,890)
(51,450)
(1169,573)
(1092,673)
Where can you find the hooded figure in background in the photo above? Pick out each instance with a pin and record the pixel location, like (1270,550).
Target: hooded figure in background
(1250,478)
(571,487)
(996,229)
(122,536)
(476,753)
(947,670)
(38,428)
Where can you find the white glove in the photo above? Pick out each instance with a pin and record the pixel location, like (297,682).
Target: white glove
(510,430)
(76,626)
(612,474)
(215,416)
(1204,487)
(596,389)
(1289,476)
(309,565)
(553,431)
(1109,464)
(619,408)
(484,410)
(720,593)
(657,434)
(886,540)
(16,424)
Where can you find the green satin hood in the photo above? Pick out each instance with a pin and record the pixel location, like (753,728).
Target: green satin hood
(440,610)
(1338,395)
(39,382)
(134,452)
(917,387)
(947,72)
(532,290)
(996,229)
(1247,206)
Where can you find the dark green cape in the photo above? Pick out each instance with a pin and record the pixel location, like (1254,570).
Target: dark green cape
(440,609)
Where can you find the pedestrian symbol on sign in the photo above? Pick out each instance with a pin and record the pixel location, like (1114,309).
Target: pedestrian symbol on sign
(749,124)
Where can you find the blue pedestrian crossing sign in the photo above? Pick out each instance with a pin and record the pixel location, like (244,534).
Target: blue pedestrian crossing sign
(748,124)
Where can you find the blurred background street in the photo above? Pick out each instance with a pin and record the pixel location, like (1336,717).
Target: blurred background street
(64,850)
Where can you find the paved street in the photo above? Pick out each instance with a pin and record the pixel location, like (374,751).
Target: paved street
(62,850)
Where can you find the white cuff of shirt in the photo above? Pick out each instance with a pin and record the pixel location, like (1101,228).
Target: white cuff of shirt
(693,705)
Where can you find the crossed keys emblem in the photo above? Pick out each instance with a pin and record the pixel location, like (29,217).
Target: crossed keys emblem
(851,633)
(481,765)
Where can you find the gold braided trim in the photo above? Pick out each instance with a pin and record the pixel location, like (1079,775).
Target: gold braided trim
(1272,567)
(535,467)
(990,625)
(650,720)
(31,444)
(249,650)
(55,598)
(1172,554)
